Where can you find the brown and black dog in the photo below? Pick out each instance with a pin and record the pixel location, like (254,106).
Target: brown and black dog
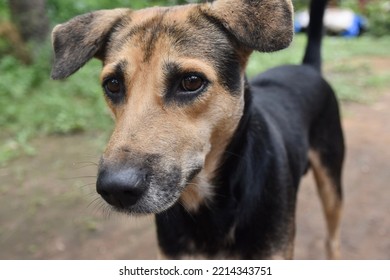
(216,158)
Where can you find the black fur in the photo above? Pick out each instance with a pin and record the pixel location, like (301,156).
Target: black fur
(288,110)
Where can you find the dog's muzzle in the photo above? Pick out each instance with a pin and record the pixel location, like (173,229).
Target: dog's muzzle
(140,186)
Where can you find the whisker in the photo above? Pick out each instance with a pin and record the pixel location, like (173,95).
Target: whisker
(86,162)
(79,177)
(102,209)
(106,211)
(87,185)
(96,200)
(85,165)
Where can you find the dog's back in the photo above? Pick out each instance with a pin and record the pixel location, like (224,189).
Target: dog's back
(298,100)
(302,112)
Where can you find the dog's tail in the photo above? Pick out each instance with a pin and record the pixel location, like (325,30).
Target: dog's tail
(314,34)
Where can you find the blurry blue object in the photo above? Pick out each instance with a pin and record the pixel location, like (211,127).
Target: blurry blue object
(358,25)
(343,22)
(297,26)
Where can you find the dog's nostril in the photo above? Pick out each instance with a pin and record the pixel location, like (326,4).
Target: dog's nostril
(121,188)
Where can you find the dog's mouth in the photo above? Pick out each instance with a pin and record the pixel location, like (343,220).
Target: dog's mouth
(141,190)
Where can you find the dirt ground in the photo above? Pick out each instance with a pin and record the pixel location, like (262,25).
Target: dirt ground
(49,208)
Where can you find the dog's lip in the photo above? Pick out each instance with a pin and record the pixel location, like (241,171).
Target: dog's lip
(194,172)
(137,210)
(130,211)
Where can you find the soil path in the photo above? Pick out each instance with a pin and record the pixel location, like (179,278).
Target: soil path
(49,209)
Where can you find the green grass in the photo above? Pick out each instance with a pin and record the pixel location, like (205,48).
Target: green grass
(351,80)
(334,50)
(33,105)
(347,69)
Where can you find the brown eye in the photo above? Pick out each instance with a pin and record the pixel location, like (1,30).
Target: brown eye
(114,89)
(113,86)
(192,83)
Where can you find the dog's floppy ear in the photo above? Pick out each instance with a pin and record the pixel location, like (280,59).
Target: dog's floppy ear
(82,38)
(263,25)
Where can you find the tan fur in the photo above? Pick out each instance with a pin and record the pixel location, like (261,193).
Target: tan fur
(204,128)
(188,137)
(331,203)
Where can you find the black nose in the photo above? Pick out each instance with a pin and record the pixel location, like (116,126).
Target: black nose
(121,188)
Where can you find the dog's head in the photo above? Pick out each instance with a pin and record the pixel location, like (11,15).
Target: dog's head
(173,79)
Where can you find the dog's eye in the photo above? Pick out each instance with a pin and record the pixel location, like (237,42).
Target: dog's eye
(113,86)
(192,83)
(114,89)
(184,87)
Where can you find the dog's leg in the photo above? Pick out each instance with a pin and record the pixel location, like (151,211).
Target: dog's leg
(288,252)
(329,189)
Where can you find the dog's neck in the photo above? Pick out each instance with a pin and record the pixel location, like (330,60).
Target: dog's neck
(233,160)
(227,159)
(237,190)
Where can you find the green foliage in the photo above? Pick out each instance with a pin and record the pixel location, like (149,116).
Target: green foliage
(260,62)
(378,13)
(351,80)
(63,10)
(3,10)
(301,4)
(31,104)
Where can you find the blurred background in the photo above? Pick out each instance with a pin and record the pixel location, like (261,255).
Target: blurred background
(53,132)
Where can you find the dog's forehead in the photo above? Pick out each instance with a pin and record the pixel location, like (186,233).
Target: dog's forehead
(178,13)
(149,38)
(186,29)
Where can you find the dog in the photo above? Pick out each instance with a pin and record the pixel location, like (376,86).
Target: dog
(217,158)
